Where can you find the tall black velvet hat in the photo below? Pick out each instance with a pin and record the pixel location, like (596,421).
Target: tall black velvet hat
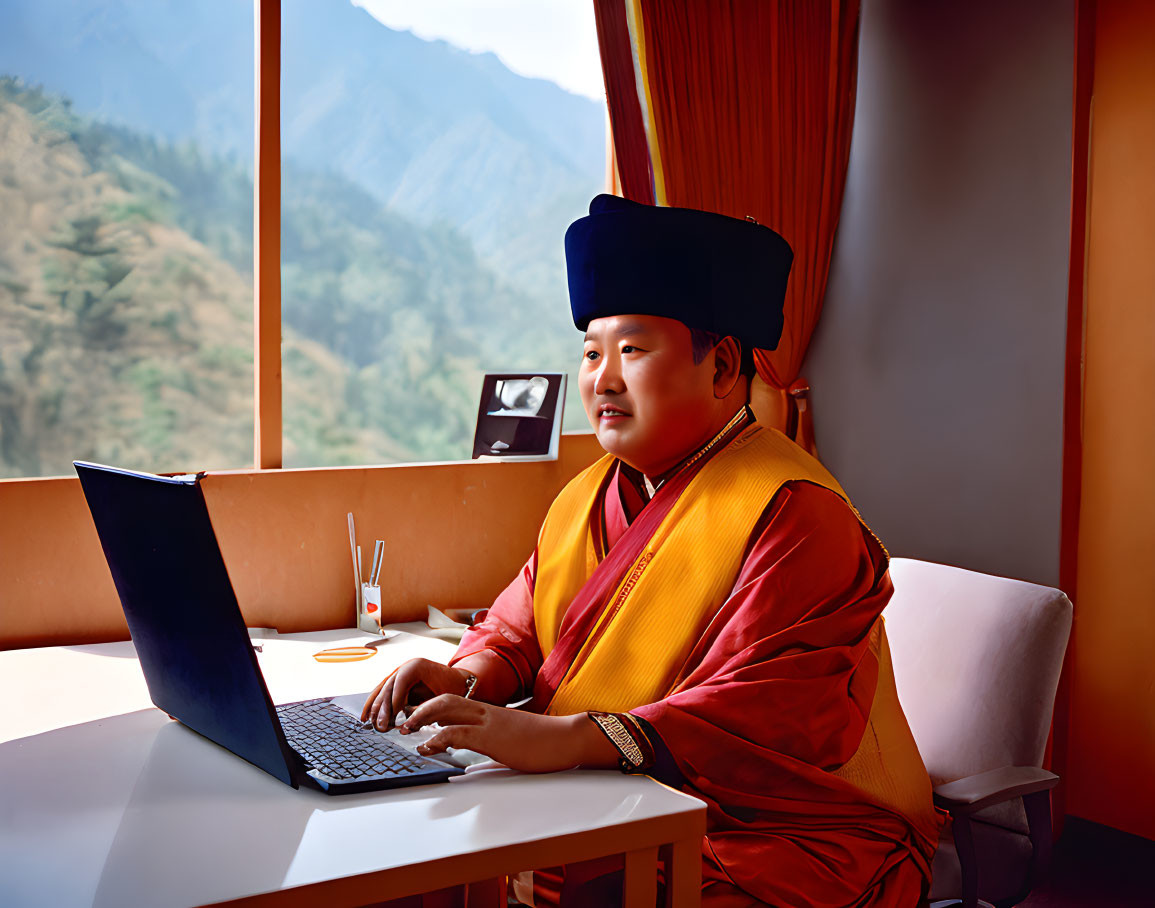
(706,270)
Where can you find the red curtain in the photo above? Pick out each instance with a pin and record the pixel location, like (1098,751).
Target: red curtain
(626,124)
(743,107)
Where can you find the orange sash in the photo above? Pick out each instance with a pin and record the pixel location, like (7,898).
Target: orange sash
(629,645)
(635,641)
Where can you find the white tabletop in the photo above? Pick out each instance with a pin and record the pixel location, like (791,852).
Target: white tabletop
(75,684)
(106,801)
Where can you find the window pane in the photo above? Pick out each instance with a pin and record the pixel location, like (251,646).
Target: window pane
(426,192)
(125,234)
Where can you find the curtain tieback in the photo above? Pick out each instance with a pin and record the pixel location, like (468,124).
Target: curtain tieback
(803,434)
(800,391)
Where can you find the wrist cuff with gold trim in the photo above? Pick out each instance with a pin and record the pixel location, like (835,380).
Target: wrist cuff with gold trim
(628,738)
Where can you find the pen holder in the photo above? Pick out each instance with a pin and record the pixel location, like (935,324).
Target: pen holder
(369,613)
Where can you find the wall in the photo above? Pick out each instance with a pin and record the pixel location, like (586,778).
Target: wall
(455,534)
(1112,731)
(937,368)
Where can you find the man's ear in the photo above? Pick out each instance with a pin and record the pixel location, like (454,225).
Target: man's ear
(727,366)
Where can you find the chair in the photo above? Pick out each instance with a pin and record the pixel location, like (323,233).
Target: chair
(976,663)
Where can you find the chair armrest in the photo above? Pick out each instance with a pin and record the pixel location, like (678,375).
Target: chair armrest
(974,793)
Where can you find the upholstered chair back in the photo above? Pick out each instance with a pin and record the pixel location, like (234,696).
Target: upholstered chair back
(976,663)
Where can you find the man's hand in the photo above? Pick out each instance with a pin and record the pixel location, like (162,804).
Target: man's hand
(416,680)
(521,740)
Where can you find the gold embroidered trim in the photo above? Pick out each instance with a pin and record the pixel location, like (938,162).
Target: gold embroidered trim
(615,729)
(635,574)
(631,581)
(619,601)
(734,420)
(640,736)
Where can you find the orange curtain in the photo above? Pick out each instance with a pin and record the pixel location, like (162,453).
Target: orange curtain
(743,107)
(631,173)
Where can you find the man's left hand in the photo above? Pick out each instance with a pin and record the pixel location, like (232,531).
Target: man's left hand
(525,741)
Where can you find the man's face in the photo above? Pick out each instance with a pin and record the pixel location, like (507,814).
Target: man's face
(648,402)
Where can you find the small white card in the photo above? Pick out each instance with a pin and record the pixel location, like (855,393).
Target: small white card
(370,617)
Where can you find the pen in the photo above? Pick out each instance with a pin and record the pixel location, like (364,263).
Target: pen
(378,558)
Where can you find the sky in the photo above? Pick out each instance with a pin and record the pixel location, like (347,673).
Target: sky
(547,39)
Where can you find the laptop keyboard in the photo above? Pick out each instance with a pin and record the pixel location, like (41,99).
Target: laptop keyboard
(339,746)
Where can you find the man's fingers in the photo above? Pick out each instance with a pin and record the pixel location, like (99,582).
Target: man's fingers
(400,696)
(417,679)
(453,736)
(367,709)
(447,709)
(379,714)
(427,713)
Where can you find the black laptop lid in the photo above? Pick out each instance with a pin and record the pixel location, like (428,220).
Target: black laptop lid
(182,612)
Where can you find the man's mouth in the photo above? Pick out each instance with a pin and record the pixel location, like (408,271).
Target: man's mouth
(605,411)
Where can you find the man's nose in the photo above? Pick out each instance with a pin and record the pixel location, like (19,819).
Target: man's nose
(609,377)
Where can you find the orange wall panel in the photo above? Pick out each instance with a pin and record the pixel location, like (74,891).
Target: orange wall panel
(456,534)
(1112,732)
(54,583)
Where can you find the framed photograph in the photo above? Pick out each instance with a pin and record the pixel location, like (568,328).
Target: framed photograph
(519,417)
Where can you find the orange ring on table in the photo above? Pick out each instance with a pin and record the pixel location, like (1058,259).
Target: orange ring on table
(345,654)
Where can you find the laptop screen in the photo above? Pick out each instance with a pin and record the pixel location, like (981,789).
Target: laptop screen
(181,610)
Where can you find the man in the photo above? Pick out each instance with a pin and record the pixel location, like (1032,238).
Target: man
(703,604)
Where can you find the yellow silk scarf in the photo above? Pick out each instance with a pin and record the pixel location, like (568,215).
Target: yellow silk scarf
(685,571)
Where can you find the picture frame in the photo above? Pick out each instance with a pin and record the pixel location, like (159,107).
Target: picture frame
(519,416)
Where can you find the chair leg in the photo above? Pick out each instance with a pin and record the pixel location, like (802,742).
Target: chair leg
(964,844)
(1038,808)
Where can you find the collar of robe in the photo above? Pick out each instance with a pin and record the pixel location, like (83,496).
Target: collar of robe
(646,487)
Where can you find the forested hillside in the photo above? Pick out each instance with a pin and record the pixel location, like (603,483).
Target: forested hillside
(126,308)
(425,194)
(433,132)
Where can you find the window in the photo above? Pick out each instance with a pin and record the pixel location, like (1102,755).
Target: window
(425,193)
(125,235)
(426,190)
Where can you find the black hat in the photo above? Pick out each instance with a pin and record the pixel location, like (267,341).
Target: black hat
(706,270)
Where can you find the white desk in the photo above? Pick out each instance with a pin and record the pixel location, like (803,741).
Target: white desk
(106,802)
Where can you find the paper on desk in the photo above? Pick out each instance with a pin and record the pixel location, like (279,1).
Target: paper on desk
(456,756)
(440,625)
(436,624)
(440,621)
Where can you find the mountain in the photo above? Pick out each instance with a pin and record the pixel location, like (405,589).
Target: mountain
(126,309)
(145,64)
(437,133)
(426,191)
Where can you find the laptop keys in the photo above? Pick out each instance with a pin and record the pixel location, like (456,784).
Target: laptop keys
(338,745)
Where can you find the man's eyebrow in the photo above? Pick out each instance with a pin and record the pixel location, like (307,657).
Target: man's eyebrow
(629,329)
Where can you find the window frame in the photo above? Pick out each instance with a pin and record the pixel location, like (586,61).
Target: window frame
(267,406)
(268,423)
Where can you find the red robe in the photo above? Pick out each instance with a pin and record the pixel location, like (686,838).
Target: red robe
(772,705)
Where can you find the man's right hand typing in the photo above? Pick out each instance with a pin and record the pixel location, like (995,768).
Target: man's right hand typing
(413,682)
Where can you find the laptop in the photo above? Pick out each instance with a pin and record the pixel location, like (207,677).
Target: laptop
(195,651)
